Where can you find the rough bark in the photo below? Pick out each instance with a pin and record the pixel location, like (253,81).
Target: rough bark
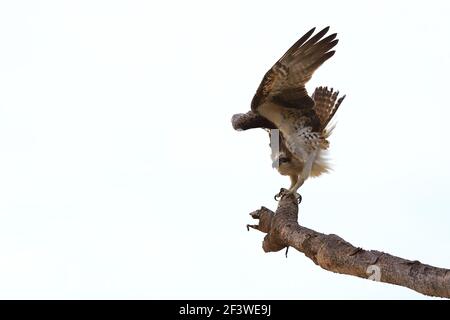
(333,253)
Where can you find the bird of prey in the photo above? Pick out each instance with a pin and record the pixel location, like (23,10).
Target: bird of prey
(302,120)
(326,103)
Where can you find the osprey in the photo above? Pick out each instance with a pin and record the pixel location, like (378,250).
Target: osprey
(302,120)
(325,105)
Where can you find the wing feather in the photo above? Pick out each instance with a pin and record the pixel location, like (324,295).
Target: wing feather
(285,81)
(326,103)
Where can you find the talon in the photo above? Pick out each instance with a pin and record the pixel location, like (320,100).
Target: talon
(280,194)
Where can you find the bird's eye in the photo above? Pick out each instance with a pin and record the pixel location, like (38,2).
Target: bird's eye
(283,160)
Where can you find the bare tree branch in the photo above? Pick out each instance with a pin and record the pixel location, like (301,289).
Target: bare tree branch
(333,253)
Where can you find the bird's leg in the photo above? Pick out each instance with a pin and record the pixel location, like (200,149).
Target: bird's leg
(295,187)
(299,180)
(307,168)
(294,180)
(283,191)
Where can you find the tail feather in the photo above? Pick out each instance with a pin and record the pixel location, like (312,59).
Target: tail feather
(322,164)
(326,103)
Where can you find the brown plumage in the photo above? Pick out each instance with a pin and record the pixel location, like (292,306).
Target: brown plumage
(302,120)
(325,105)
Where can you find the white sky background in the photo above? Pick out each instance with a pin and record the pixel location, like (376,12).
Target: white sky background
(121,176)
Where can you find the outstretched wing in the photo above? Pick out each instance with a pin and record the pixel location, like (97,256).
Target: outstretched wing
(285,82)
(326,103)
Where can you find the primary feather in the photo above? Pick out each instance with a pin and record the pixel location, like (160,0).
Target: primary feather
(283,99)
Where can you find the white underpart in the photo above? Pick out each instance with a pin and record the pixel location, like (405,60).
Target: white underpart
(306,172)
(304,144)
(321,163)
(296,143)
